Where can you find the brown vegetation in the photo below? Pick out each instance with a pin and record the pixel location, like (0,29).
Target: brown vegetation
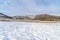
(41,17)
(46,17)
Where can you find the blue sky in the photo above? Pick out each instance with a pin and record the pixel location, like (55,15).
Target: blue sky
(29,7)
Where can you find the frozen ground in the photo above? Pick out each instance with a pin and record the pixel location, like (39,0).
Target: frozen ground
(29,31)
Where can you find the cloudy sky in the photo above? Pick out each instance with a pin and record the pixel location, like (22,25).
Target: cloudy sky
(29,7)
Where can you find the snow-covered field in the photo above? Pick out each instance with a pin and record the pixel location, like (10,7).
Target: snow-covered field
(29,31)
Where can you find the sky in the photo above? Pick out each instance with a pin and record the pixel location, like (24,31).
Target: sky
(29,7)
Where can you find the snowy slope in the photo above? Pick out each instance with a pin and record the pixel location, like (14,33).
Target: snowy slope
(29,31)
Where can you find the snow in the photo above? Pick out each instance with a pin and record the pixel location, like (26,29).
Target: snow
(29,31)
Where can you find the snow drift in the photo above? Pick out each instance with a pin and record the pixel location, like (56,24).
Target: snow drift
(29,31)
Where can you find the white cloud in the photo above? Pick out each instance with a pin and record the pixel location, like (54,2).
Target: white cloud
(26,7)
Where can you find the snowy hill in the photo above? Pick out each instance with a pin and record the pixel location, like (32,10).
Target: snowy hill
(41,17)
(4,17)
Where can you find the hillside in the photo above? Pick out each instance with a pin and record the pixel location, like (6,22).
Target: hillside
(40,17)
(4,17)
(46,17)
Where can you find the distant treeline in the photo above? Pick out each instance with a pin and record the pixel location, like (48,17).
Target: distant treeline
(41,17)
(46,17)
